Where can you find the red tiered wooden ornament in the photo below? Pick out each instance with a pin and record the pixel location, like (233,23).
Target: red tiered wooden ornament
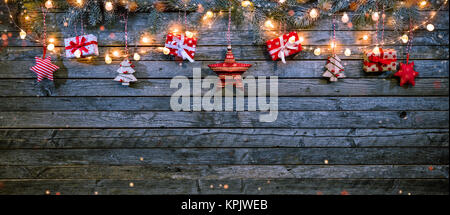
(230,72)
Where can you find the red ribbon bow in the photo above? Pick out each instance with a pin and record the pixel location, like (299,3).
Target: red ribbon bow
(379,60)
(74,46)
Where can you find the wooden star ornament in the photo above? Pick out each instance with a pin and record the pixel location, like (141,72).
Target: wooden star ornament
(230,69)
(407,73)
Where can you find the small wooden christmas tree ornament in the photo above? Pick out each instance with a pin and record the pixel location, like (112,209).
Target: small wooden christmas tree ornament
(125,73)
(334,68)
(126,68)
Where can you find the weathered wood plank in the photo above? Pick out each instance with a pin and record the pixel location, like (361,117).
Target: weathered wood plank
(286,87)
(162,103)
(225,156)
(239,37)
(236,186)
(177,172)
(165,119)
(95,136)
(249,138)
(169,69)
(217,53)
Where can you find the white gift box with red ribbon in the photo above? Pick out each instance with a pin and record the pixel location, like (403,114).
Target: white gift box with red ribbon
(86,45)
(380,61)
(181,46)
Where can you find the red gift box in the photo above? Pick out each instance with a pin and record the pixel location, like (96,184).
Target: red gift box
(181,46)
(280,47)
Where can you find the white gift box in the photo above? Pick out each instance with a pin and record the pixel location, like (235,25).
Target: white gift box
(85,45)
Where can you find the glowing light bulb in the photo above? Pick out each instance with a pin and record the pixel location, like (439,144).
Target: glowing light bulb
(108,59)
(51,40)
(246,3)
(48,4)
(27,17)
(209,14)
(313,13)
(281,1)
(292,39)
(189,34)
(345,18)
(301,39)
(145,39)
(79,2)
(333,45)
(77,53)
(365,37)
(166,51)
(116,53)
(347,52)
(23,34)
(430,27)
(375,16)
(423,3)
(269,24)
(376,50)
(108,6)
(404,38)
(136,57)
(317,51)
(50,47)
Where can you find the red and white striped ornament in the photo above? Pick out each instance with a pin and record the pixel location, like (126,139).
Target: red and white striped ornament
(44,68)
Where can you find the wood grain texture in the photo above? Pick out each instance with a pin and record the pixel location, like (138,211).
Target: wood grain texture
(286,87)
(215,37)
(169,69)
(84,133)
(223,172)
(237,186)
(285,103)
(227,156)
(164,119)
(221,138)
(241,53)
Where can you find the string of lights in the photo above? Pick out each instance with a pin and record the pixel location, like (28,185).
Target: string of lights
(210,17)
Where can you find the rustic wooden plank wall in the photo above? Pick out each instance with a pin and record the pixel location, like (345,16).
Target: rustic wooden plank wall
(88,134)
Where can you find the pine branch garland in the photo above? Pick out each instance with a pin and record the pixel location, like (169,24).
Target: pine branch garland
(293,14)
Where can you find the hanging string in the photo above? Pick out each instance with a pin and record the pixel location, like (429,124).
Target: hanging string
(185,17)
(81,23)
(334,34)
(75,32)
(229,27)
(126,33)
(383,16)
(179,16)
(409,45)
(376,30)
(44,40)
